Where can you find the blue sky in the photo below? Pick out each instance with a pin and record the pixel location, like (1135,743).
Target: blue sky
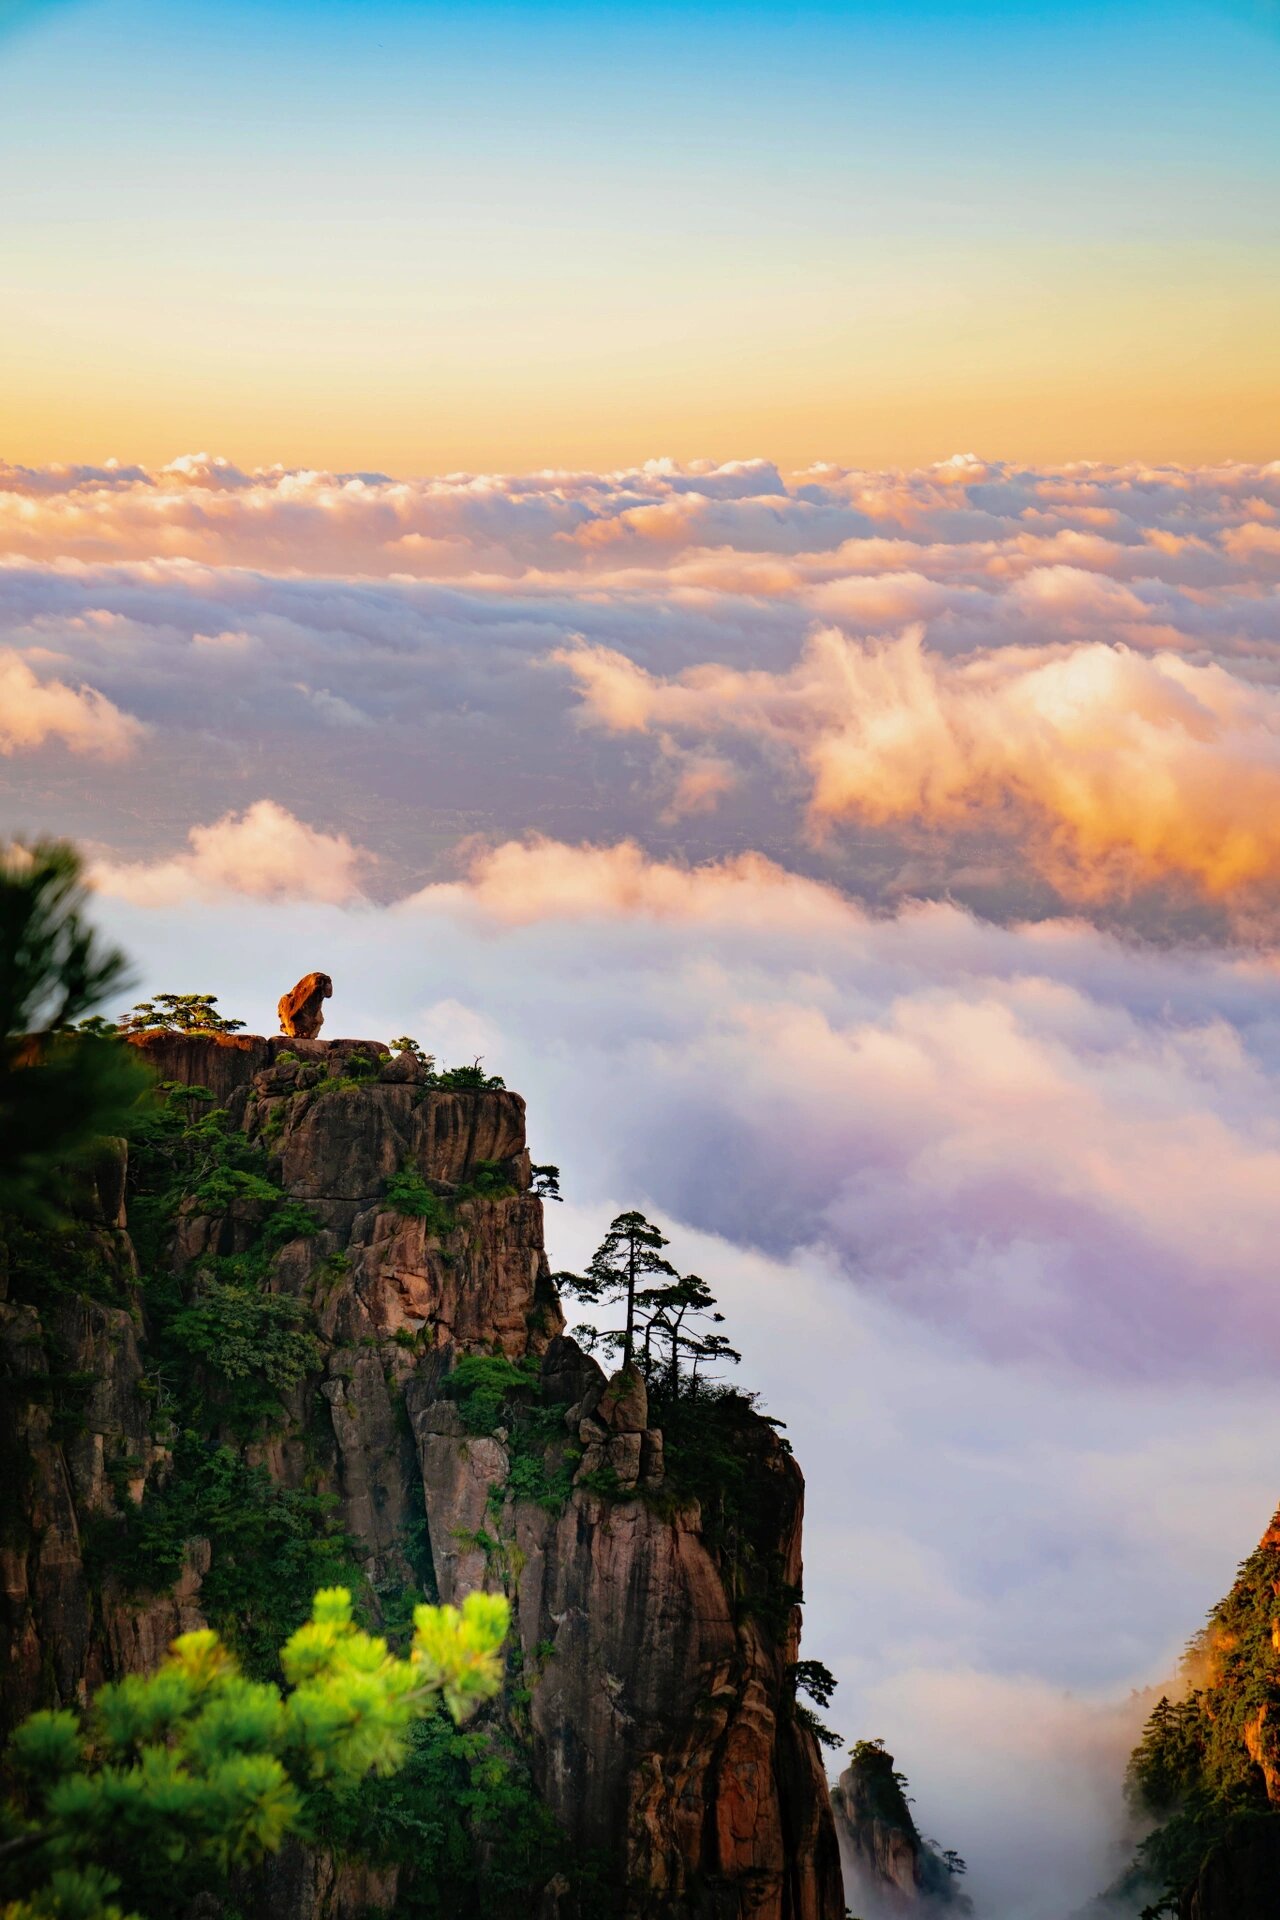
(550,226)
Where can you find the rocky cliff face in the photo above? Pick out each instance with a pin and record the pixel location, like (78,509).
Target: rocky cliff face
(889,1869)
(240,1373)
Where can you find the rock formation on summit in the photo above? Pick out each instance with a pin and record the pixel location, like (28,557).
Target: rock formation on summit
(301,1010)
(304,1333)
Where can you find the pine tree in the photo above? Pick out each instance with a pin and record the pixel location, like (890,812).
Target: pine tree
(179,1013)
(61,1090)
(174,1777)
(630,1253)
(676,1316)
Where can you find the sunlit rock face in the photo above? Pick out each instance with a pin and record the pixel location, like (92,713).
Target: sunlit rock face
(660,1729)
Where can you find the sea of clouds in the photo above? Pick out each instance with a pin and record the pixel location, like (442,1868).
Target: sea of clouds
(1018,689)
(872,875)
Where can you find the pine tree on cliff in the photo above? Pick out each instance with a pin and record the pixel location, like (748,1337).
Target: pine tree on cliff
(172,1778)
(630,1253)
(677,1316)
(61,1091)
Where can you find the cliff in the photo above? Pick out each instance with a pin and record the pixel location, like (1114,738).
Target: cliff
(305,1331)
(889,1868)
(1206,1774)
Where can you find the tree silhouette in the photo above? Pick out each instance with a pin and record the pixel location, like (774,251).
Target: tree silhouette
(179,1013)
(61,1090)
(630,1253)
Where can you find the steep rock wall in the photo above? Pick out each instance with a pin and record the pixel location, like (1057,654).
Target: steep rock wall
(889,1868)
(658,1723)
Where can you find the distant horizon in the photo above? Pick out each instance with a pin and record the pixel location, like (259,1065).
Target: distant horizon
(162,462)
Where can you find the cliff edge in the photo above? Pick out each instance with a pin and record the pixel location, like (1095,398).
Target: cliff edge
(305,1330)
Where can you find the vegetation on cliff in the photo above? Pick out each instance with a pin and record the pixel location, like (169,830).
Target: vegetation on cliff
(172,1780)
(886,1853)
(1207,1769)
(303,1335)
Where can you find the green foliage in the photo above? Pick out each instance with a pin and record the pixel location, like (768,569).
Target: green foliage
(62,1257)
(881,1793)
(465,1825)
(288,1220)
(679,1318)
(225,1344)
(186,1154)
(482,1386)
(546,1481)
(815,1679)
(241,1333)
(468,1079)
(669,1327)
(271,1546)
(629,1254)
(222,1349)
(407,1044)
(173,1778)
(818,1681)
(1192,1771)
(471,1078)
(883,1788)
(491,1391)
(179,1013)
(60,1091)
(408,1193)
(488,1180)
(825,1736)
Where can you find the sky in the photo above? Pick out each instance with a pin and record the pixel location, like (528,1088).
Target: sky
(728,564)
(424,237)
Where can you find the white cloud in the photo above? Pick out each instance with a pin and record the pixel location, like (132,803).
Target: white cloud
(33,711)
(1114,769)
(264,853)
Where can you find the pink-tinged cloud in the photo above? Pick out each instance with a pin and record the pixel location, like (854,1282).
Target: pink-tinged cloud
(34,711)
(204,508)
(1114,769)
(263,853)
(525,881)
(702,780)
(1009,1133)
(1014,1131)
(1040,745)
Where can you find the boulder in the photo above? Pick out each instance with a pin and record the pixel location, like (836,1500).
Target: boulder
(301,1010)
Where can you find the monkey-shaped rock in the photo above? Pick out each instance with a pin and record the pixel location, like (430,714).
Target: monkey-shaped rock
(302,1009)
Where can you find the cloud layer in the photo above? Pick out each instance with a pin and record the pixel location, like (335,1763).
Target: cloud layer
(1010,687)
(1113,769)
